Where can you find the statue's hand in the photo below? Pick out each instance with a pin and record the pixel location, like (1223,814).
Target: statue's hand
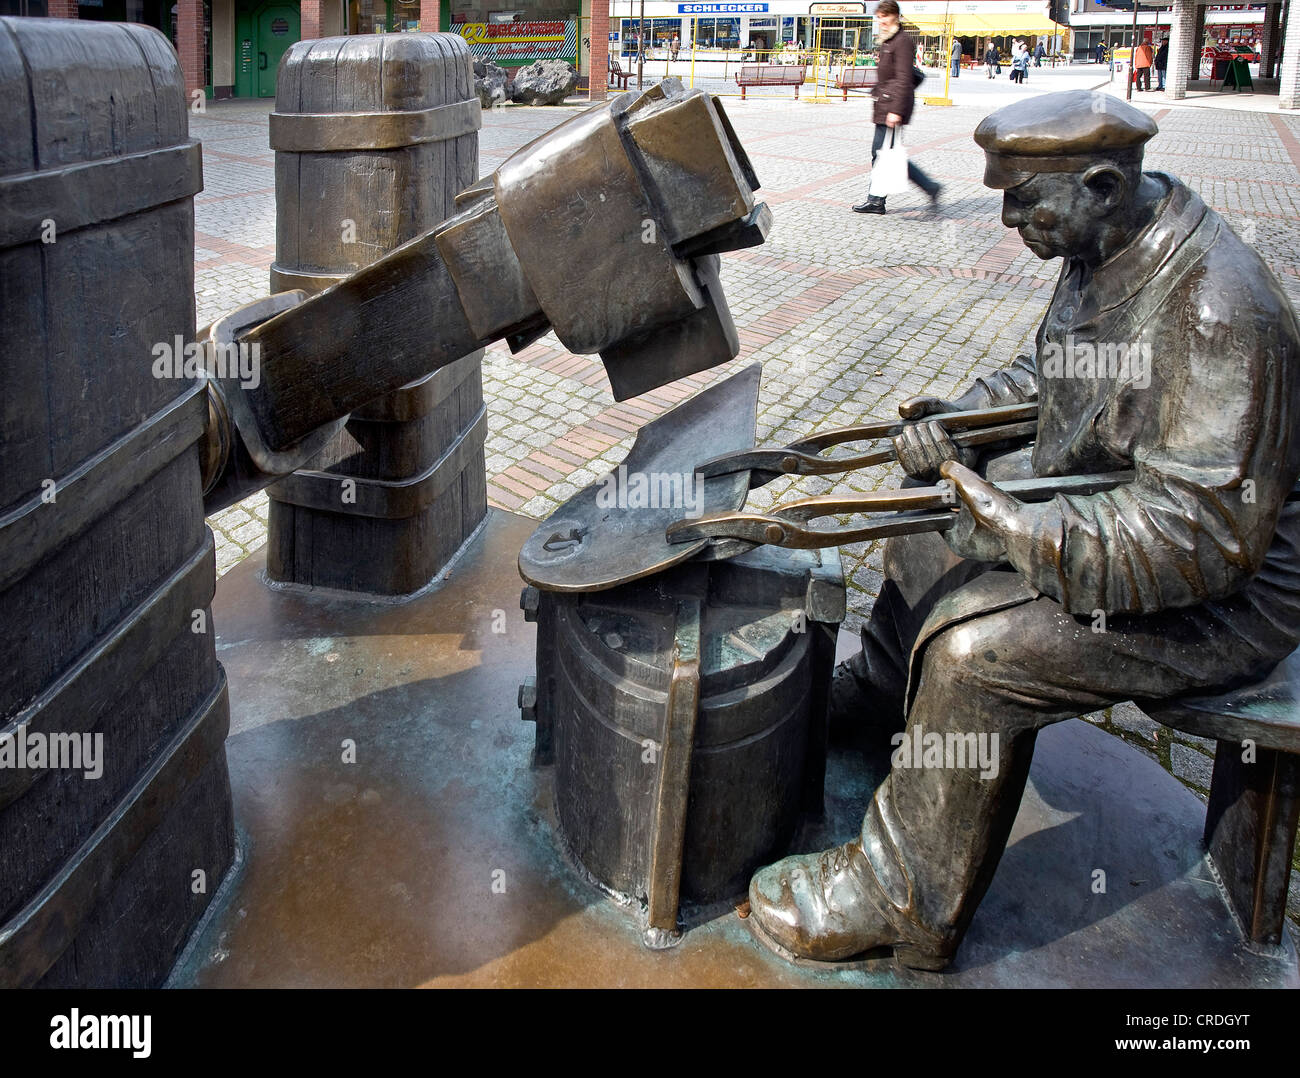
(920,407)
(986,516)
(923,447)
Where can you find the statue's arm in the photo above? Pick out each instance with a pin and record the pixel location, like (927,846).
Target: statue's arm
(1015,384)
(1211,475)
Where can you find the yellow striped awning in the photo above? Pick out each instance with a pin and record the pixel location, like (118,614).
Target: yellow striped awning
(985,24)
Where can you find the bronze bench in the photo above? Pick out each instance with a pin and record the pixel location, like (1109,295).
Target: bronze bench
(770,75)
(1250,824)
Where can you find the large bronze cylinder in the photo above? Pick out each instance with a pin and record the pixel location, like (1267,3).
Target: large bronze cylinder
(115,810)
(600,701)
(374,137)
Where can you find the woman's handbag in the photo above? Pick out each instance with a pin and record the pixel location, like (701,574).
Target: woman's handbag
(918,76)
(889,173)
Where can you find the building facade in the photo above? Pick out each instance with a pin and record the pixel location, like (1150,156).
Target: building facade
(1093,22)
(232,48)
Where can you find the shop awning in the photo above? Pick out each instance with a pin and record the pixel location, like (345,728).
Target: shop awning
(982,25)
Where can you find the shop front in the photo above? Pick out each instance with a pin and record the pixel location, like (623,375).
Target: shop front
(730,31)
(977,22)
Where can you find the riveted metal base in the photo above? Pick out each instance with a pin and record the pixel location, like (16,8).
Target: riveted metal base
(433,858)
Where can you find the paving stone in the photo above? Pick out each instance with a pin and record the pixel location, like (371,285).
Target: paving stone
(1128,716)
(1191,766)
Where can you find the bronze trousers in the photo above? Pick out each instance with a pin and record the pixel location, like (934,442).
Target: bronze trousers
(934,834)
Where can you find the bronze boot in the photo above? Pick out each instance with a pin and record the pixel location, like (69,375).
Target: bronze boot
(828,907)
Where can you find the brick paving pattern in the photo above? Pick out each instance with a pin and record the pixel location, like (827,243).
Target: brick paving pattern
(848,313)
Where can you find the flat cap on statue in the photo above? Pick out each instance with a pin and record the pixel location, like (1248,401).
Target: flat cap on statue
(1065,132)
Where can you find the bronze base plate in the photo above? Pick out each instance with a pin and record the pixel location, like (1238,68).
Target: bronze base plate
(433,859)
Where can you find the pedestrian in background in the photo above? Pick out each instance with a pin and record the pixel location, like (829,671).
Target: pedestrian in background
(895,95)
(1162,62)
(1101,52)
(1019,62)
(1143,58)
(991,58)
(956,57)
(1039,53)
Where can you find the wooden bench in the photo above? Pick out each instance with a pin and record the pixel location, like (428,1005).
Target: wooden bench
(617,76)
(770,75)
(1250,824)
(854,78)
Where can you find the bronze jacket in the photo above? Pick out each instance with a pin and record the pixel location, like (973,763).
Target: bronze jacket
(894,90)
(1204,412)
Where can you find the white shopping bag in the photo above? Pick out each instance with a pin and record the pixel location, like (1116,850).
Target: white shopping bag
(889,173)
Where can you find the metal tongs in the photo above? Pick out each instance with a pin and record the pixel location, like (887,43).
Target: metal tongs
(984,426)
(893,512)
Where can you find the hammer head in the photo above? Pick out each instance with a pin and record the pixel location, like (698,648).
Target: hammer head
(607,230)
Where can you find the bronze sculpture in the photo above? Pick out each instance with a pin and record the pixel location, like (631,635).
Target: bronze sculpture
(1168,348)
(106,632)
(374,137)
(655,185)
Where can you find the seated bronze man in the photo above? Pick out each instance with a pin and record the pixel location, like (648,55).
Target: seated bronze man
(1168,349)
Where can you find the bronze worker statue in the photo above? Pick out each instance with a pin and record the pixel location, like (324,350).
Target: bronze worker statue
(1168,349)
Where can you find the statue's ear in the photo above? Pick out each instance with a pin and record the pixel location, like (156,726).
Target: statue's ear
(1107,183)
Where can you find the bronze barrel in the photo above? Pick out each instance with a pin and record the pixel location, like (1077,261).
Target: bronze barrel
(115,811)
(606,662)
(374,137)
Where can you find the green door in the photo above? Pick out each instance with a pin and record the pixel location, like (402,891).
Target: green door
(277,29)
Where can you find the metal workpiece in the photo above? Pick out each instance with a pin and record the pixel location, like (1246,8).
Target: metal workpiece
(612,531)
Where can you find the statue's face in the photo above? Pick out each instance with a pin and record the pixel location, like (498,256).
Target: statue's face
(1056,213)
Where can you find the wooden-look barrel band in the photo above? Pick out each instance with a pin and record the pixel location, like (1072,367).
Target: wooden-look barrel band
(121,656)
(285,279)
(329,132)
(93,192)
(417,399)
(34,938)
(34,529)
(385,499)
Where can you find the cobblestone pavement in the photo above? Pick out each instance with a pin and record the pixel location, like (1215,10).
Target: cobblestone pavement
(848,313)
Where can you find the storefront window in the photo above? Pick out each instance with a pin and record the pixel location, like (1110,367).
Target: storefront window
(369,16)
(718,33)
(663,31)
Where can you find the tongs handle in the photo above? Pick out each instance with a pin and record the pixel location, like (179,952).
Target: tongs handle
(983,426)
(900,512)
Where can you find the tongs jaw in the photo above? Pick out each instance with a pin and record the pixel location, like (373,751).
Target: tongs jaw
(894,512)
(985,426)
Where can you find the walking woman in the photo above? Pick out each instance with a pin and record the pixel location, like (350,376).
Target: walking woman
(894,100)
(1019,62)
